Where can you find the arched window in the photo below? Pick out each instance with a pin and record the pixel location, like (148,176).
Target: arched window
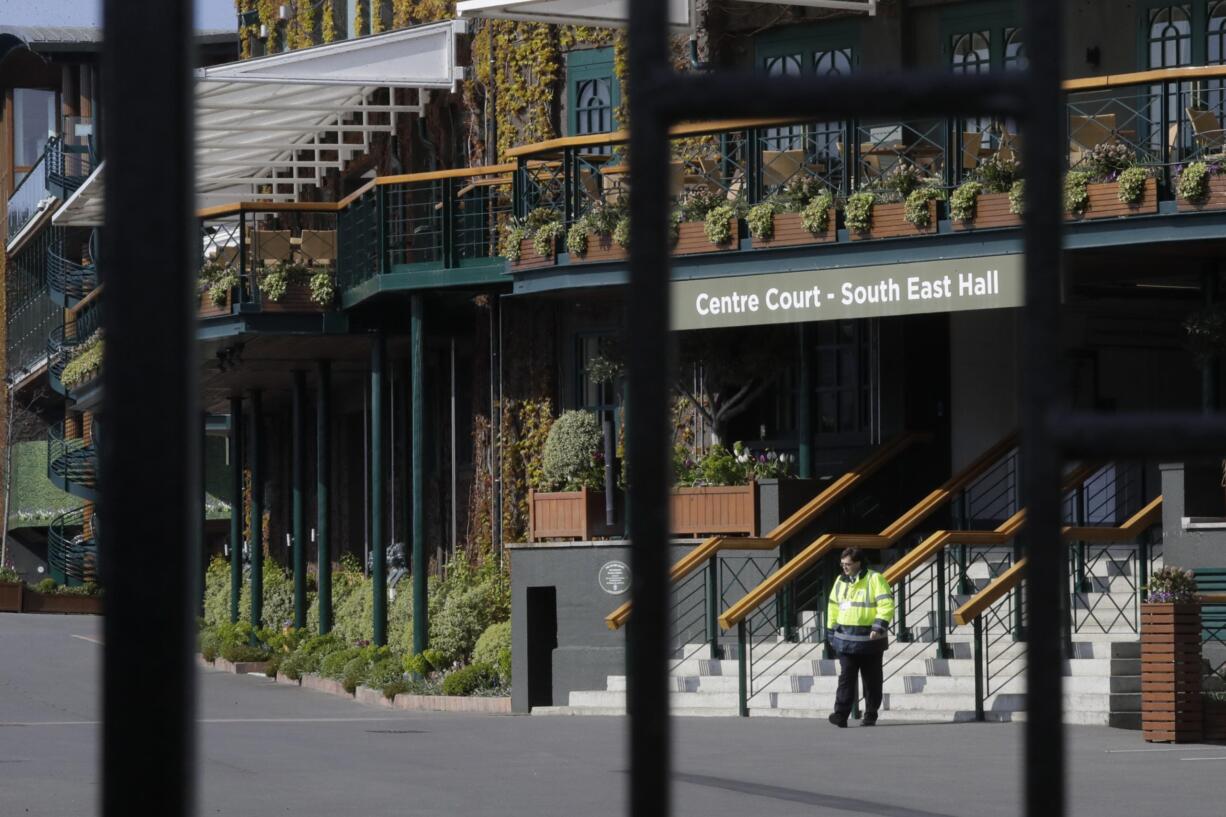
(594,106)
(972,52)
(1015,50)
(1170,36)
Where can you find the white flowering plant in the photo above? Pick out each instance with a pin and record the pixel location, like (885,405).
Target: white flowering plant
(1171,584)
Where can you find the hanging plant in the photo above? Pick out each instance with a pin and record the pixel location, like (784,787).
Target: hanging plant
(1193,182)
(717,224)
(1017,197)
(1077,191)
(761,220)
(916,209)
(621,233)
(515,233)
(323,288)
(1132,185)
(858,212)
(816,216)
(546,236)
(576,237)
(962,201)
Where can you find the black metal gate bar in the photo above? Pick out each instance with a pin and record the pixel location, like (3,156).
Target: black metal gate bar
(151,449)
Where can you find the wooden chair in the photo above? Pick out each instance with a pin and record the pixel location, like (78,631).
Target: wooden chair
(318,246)
(972,145)
(272,245)
(226,254)
(781,166)
(1010,149)
(1207,133)
(1088,132)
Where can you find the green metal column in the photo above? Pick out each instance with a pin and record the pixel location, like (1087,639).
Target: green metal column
(804,411)
(201,510)
(257,514)
(378,547)
(236,504)
(323,477)
(298,522)
(421,627)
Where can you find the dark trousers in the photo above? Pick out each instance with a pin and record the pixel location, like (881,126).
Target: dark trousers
(868,666)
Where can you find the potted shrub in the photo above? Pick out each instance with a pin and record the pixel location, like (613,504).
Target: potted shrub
(49,597)
(717,494)
(533,241)
(903,203)
(706,222)
(1200,186)
(11,588)
(1108,184)
(595,237)
(287,286)
(803,213)
(217,281)
(992,197)
(86,362)
(572,504)
(1171,657)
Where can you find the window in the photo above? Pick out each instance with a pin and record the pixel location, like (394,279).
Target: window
(976,41)
(33,122)
(842,376)
(594,395)
(593,93)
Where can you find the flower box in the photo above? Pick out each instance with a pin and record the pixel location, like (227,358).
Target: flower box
(790,232)
(529,258)
(991,210)
(888,222)
(1214,200)
(570,515)
(1105,202)
(36,602)
(724,509)
(10,596)
(1171,708)
(600,248)
(692,238)
(297,298)
(208,309)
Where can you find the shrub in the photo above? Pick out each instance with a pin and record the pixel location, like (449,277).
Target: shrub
(962,202)
(494,648)
(815,217)
(1193,182)
(354,671)
(1132,185)
(701,202)
(470,679)
(997,175)
(384,672)
(576,238)
(515,233)
(464,616)
(1171,584)
(309,655)
(209,643)
(333,665)
(235,653)
(571,458)
(916,209)
(900,181)
(718,224)
(761,220)
(1017,197)
(8,574)
(858,212)
(1076,191)
(621,232)
(323,288)
(47,585)
(1107,160)
(545,238)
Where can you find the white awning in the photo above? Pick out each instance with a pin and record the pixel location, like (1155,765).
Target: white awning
(269,127)
(614,13)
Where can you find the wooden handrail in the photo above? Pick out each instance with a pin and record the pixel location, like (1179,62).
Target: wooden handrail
(804,515)
(1133,527)
(93,295)
(1001,535)
(824,544)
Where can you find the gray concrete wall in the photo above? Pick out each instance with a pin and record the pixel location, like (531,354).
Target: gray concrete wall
(1192,490)
(983,380)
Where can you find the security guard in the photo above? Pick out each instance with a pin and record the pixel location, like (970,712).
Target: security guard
(858,620)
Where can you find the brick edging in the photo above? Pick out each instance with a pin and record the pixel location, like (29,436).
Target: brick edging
(453,703)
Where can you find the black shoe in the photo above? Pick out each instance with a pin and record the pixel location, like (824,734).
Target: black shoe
(838,720)
(869,720)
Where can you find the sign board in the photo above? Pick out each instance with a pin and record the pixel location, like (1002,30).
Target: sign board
(882,290)
(614,578)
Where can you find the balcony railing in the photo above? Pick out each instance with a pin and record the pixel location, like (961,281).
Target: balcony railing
(66,166)
(72,462)
(30,199)
(65,341)
(70,280)
(31,314)
(72,552)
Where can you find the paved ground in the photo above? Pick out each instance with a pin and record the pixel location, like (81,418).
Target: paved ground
(270,750)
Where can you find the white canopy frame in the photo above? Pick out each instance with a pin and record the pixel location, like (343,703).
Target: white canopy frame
(614,13)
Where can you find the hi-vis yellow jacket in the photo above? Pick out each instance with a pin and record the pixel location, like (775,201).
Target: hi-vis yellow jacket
(856,608)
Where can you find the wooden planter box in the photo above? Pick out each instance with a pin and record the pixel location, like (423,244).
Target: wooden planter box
(601,248)
(1171,708)
(991,210)
(790,232)
(730,509)
(35,602)
(10,596)
(297,298)
(570,515)
(208,309)
(529,258)
(1105,202)
(1213,723)
(692,238)
(1215,200)
(888,222)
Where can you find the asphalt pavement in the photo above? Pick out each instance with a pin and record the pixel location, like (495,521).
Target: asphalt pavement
(269,749)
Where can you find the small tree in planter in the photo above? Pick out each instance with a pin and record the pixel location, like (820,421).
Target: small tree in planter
(570,501)
(1171,657)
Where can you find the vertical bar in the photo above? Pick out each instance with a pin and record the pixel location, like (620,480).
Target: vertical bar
(201,556)
(299,498)
(941,589)
(900,595)
(323,481)
(149,456)
(979,668)
(257,513)
(713,606)
(742,662)
(242,258)
(648,437)
(421,625)
(236,504)
(455,490)
(804,411)
(378,545)
(1045,751)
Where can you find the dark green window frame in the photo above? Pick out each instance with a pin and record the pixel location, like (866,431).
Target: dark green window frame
(584,71)
(1208,23)
(998,23)
(809,40)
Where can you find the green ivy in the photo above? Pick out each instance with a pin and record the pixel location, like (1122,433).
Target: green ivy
(717,224)
(815,217)
(576,238)
(1017,197)
(858,212)
(1077,191)
(323,288)
(916,209)
(1132,185)
(761,220)
(621,233)
(546,236)
(962,201)
(511,241)
(1193,182)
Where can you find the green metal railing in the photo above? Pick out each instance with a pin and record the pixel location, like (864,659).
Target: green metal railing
(69,280)
(71,554)
(31,314)
(66,166)
(63,342)
(29,198)
(72,463)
